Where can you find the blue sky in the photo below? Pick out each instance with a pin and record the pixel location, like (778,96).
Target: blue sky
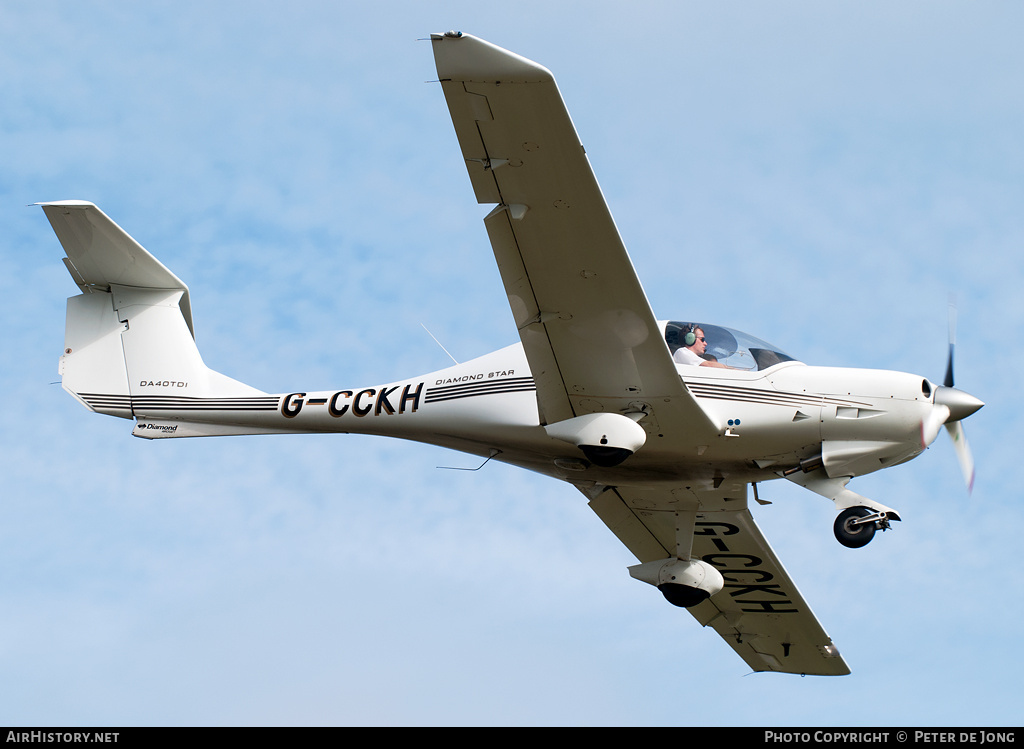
(820,175)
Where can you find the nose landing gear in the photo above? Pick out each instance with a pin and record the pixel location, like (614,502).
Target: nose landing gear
(856,526)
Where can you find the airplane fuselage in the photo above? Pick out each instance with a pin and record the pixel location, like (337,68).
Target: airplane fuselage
(769,421)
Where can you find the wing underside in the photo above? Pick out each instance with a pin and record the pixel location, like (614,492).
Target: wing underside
(589,334)
(759,613)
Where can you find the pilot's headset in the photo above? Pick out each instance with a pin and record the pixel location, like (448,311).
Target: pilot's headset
(690,336)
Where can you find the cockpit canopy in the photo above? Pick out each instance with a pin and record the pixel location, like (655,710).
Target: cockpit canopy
(733,348)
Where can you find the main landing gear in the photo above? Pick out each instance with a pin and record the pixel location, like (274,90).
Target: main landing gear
(856,526)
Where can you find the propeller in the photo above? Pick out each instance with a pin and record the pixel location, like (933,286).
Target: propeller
(953,406)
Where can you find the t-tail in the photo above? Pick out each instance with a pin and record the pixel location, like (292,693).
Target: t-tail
(129,344)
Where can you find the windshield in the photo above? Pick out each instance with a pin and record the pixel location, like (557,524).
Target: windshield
(733,348)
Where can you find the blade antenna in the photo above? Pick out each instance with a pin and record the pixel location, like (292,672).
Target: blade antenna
(439,344)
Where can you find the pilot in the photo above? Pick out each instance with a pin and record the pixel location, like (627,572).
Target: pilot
(693,348)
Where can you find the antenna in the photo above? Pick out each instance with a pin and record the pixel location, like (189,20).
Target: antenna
(439,343)
(494,452)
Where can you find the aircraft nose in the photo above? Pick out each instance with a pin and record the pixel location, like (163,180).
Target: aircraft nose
(960,404)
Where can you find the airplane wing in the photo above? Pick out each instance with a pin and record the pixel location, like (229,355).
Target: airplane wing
(593,344)
(759,613)
(587,328)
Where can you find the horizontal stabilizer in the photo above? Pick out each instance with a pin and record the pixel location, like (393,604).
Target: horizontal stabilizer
(101,254)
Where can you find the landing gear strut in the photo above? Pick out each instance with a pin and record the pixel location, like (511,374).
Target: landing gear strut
(856,526)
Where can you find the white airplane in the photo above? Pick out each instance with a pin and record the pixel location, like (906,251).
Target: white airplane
(662,425)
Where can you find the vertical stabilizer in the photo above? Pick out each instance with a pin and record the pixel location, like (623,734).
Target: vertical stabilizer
(129,345)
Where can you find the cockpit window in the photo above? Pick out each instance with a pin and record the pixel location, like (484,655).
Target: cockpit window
(734,348)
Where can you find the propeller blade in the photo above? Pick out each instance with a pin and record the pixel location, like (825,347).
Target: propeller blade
(957,405)
(963,452)
(948,381)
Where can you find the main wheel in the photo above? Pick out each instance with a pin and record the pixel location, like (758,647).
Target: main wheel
(850,535)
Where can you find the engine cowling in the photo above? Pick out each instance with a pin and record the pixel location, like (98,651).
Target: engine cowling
(684,583)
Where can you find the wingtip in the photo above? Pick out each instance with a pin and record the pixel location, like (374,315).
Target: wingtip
(474,59)
(78,203)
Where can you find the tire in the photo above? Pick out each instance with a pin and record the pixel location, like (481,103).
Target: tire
(854,536)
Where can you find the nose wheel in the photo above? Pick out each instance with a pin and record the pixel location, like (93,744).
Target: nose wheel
(856,526)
